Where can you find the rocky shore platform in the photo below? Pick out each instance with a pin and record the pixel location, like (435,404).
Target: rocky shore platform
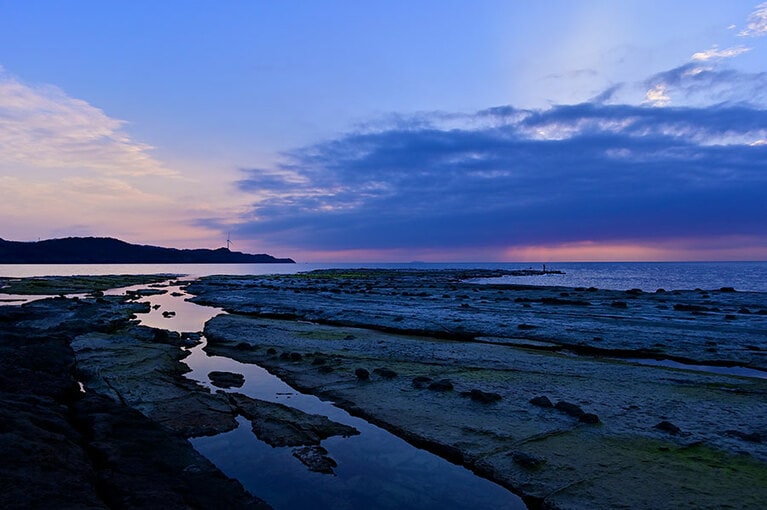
(555,393)
(552,392)
(95,411)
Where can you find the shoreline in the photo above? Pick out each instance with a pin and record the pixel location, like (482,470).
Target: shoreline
(374,342)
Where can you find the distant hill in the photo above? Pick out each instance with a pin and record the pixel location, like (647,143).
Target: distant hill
(106,250)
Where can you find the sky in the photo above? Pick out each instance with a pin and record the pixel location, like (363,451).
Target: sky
(347,131)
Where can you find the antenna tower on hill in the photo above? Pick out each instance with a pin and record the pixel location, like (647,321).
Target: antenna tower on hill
(228,240)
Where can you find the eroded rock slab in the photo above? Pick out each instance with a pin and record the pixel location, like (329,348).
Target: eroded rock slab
(599,447)
(280,425)
(226,379)
(143,369)
(717,326)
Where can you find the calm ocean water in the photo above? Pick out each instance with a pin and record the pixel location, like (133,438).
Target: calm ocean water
(648,276)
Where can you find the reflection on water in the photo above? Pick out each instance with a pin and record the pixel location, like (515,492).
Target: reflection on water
(19,299)
(376,470)
(186,316)
(649,276)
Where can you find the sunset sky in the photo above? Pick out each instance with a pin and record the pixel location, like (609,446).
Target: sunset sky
(390,131)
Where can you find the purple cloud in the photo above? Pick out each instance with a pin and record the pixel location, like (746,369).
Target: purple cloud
(508,177)
(570,173)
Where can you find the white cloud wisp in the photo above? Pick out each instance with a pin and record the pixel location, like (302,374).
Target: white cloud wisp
(43,127)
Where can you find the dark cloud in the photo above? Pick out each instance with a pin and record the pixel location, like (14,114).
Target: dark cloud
(517,177)
(705,83)
(607,94)
(506,177)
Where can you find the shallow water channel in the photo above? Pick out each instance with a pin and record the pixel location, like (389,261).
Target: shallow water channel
(376,469)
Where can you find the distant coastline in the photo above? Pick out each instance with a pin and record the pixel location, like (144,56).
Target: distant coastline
(107,250)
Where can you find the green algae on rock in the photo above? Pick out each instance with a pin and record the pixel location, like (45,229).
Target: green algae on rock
(55,285)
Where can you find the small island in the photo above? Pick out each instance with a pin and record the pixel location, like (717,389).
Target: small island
(107,250)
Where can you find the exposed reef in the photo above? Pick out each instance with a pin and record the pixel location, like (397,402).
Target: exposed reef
(718,327)
(548,410)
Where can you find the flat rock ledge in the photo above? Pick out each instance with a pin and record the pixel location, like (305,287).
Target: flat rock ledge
(280,425)
(715,327)
(561,431)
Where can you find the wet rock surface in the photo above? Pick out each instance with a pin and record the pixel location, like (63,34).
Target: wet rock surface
(226,379)
(597,447)
(279,425)
(315,458)
(62,448)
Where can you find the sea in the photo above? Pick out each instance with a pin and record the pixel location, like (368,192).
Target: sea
(647,276)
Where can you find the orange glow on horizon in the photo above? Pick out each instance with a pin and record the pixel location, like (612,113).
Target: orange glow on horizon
(729,249)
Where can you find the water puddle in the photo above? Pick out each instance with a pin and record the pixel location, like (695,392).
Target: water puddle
(170,310)
(376,469)
(735,370)
(16,299)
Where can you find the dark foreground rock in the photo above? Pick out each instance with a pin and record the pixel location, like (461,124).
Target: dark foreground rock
(139,464)
(44,464)
(62,448)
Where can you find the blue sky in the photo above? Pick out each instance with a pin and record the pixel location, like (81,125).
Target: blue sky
(553,130)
